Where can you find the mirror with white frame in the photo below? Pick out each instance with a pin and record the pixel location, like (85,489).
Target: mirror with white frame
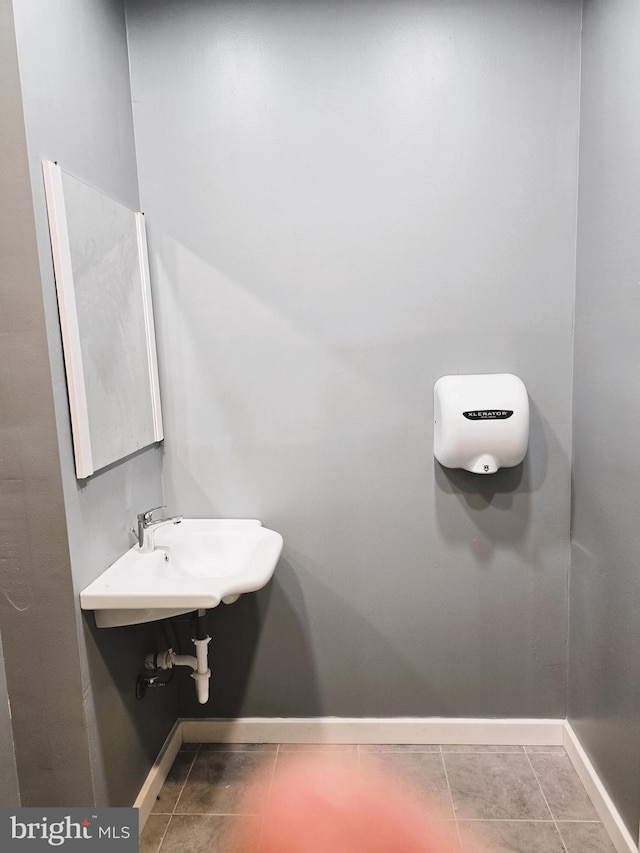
(104,298)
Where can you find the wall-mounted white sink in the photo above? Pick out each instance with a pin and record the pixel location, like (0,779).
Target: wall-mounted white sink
(195,565)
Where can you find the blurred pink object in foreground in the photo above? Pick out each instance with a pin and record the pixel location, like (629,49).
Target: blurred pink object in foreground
(322,805)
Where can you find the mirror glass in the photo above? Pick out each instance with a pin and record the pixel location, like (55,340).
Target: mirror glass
(104,299)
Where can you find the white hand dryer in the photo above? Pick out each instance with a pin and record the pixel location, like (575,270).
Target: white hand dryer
(481,421)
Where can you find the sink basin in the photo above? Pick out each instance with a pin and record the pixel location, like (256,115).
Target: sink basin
(195,565)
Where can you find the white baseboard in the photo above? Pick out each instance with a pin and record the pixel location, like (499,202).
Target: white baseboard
(602,802)
(155,779)
(427,730)
(373,730)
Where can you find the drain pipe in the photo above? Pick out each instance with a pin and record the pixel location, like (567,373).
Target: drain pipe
(201,672)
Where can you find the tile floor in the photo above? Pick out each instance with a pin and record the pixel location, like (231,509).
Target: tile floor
(514,799)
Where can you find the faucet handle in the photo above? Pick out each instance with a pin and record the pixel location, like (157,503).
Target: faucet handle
(145,516)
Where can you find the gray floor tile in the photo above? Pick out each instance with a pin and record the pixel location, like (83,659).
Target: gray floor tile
(207,834)
(556,750)
(461,747)
(174,782)
(318,747)
(495,791)
(443,840)
(422,772)
(153,831)
(318,768)
(494,786)
(227,783)
(502,836)
(399,747)
(563,789)
(585,838)
(239,747)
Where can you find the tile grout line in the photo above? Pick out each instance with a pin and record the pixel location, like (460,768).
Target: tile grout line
(478,750)
(521,820)
(582,820)
(262,816)
(173,811)
(440,749)
(186,779)
(163,835)
(453,809)
(544,796)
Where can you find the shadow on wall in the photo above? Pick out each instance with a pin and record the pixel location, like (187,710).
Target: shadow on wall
(486,499)
(269,657)
(128,732)
(605,597)
(240,673)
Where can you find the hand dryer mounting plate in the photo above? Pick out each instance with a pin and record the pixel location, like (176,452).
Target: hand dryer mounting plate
(481,421)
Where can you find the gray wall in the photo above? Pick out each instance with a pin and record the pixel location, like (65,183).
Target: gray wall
(604,671)
(12,143)
(9,791)
(346,201)
(77,103)
(37,613)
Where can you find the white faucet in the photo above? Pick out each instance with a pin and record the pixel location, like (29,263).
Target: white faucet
(147,528)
